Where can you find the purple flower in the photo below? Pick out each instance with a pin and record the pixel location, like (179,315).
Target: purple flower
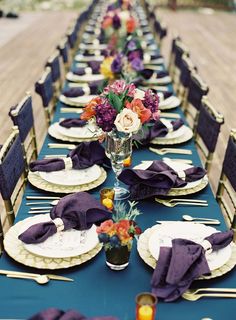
(116,65)
(131,45)
(135,54)
(116,22)
(137,64)
(151,101)
(105,116)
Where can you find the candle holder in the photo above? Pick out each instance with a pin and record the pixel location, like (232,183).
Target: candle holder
(107,196)
(146,306)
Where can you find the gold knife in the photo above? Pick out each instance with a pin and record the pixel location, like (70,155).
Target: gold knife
(50,276)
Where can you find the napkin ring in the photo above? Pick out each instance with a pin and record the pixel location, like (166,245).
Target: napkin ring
(207,246)
(68,163)
(59,224)
(181,174)
(86,90)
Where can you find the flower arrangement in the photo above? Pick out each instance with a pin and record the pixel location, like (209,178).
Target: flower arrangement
(122,229)
(122,107)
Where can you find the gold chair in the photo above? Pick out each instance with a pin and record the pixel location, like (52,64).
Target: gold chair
(196,90)
(54,63)
(44,87)
(22,116)
(226,192)
(12,178)
(207,131)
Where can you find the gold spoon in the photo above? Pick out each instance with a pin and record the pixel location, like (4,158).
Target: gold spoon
(41,279)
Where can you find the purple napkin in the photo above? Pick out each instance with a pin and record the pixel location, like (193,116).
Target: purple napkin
(78,211)
(157,130)
(95,66)
(178,266)
(72,122)
(147,73)
(79,71)
(83,156)
(56,314)
(79,91)
(73,92)
(157,179)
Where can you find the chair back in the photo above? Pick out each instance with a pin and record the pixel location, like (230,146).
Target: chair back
(72,39)
(180,50)
(44,87)
(54,63)
(12,174)
(22,117)
(63,48)
(197,89)
(207,131)
(226,192)
(160,29)
(172,55)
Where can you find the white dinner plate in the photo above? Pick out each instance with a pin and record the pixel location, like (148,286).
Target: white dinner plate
(166,232)
(63,244)
(82,58)
(72,177)
(154,80)
(76,101)
(169,103)
(86,132)
(99,46)
(84,78)
(176,166)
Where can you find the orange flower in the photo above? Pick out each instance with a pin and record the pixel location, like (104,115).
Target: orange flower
(89,110)
(106,226)
(130,25)
(107,22)
(137,106)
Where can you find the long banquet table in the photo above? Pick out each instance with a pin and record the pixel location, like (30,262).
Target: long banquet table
(96,289)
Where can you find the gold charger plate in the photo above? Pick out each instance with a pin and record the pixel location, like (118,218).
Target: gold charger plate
(74,103)
(53,132)
(35,179)
(143,250)
(17,251)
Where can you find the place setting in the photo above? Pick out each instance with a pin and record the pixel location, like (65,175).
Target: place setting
(81,170)
(64,238)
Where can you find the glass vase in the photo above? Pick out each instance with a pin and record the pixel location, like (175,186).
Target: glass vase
(118,258)
(118,147)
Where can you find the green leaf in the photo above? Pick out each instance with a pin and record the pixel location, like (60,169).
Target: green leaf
(115,101)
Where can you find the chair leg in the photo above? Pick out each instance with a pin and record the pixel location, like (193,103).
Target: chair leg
(9,211)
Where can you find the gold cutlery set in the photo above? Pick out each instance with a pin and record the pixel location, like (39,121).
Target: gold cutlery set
(195,294)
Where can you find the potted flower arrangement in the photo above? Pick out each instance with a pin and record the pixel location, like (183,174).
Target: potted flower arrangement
(120,111)
(117,235)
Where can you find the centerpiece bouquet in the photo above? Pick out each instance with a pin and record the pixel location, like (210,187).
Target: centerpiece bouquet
(118,23)
(120,111)
(127,63)
(117,235)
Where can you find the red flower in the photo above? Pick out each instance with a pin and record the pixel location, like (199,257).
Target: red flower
(137,106)
(130,25)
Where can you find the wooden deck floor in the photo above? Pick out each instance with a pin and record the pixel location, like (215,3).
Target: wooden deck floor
(26,43)
(212,43)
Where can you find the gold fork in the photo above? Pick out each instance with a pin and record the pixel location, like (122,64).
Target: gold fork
(196,296)
(163,151)
(174,202)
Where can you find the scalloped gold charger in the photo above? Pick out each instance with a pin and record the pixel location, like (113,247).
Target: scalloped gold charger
(143,250)
(186,135)
(36,180)
(79,102)
(16,250)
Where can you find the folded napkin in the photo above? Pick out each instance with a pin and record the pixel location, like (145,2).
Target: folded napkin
(148,73)
(72,122)
(157,179)
(76,211)
(158,129)
(56,314)
(178,266)
(80,91)
(83,156)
